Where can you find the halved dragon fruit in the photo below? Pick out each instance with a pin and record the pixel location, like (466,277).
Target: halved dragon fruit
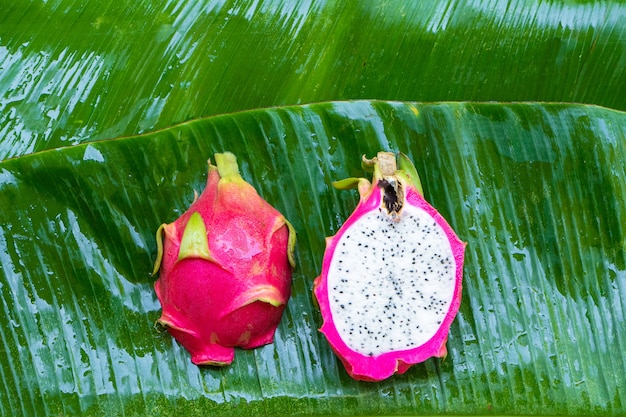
(226,268)
(390,285)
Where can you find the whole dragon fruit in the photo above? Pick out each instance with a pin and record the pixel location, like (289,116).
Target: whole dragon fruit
(225,268)
(391,277)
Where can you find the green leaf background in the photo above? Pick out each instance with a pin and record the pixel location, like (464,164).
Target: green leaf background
(530,187)
(76,70)
(536,189)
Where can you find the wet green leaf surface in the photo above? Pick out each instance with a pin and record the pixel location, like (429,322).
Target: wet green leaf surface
(75,70)
(536,190)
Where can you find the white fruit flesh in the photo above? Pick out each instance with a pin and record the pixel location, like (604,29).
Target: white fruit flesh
(391,283)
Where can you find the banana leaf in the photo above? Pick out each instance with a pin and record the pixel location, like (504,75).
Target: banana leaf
(537,191)
(74,71)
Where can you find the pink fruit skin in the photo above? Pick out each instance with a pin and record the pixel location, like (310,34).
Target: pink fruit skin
(237,299)
(377,368)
